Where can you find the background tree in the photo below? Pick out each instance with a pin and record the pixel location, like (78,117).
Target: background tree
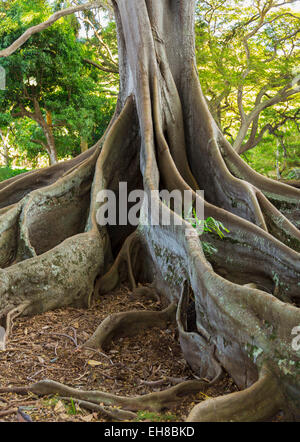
(49,83)
(247,59)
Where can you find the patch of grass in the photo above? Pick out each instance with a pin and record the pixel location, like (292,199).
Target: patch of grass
(7,172)
(155,417)
(50,401)
(64,405)
(71,408)
(208,249)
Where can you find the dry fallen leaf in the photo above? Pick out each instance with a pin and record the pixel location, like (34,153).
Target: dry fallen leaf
(88,418)
(65,416)
(94,363)
(59,407)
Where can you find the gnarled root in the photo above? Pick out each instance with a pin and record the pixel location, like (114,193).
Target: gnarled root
(114,414)
(260,401)
(11,315)
(128,324)
(156,401)
(110,280)
(148,292)
(196,347)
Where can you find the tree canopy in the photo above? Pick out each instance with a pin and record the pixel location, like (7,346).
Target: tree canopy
(73,65)
(247,62)
(49,83)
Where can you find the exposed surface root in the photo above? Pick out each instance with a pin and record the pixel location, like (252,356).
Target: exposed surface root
(167,379)
(114,414)
(148,292)
(128,324)
(111,279)
(11,315)
(259,402)
(15,188)
(196,344)
(36,351)
(18,390)
(156,401)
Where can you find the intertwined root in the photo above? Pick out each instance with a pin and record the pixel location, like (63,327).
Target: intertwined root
(259,402)
(127,255)
(111,413)
(128,324)
(156,401)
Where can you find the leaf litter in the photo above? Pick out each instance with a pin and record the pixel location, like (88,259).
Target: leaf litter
(47,346)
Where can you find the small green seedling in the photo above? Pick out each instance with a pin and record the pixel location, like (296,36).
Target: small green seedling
(209,225)
(154,417)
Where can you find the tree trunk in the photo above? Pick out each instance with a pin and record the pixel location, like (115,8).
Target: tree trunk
(46,126)
(83,145)
(237,309)
(5,142)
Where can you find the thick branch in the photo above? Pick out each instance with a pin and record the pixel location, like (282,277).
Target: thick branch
(282,95)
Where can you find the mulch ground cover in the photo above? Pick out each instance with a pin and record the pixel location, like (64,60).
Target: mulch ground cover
(47,346)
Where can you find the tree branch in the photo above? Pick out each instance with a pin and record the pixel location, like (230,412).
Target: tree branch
(254,140)
(100,39)
(282,95)
(24,113)
(41,143)
(40,27)
(98,66)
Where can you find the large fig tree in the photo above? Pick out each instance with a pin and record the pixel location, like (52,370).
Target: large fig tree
(237,309)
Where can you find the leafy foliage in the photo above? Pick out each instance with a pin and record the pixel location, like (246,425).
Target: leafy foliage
(71,69)
(50,69)
(209,225)
(250,53)
(6,173)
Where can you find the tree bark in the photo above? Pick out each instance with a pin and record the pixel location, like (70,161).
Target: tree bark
(83,145)
(46,126)
(5,142)
(163,136)
(290,89)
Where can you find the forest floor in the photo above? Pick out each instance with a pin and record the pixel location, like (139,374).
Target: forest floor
(46,347)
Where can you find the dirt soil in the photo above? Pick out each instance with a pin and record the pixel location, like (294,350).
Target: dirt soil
(47,346)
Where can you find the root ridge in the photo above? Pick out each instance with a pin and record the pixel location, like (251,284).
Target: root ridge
(128,324)
(259,402)
(156,401)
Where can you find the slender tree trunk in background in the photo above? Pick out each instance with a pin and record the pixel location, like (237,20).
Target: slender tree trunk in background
(237,309)
(46,126)
(277,161)
(5,142)
(238,142)
(83,145)
(6,155)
